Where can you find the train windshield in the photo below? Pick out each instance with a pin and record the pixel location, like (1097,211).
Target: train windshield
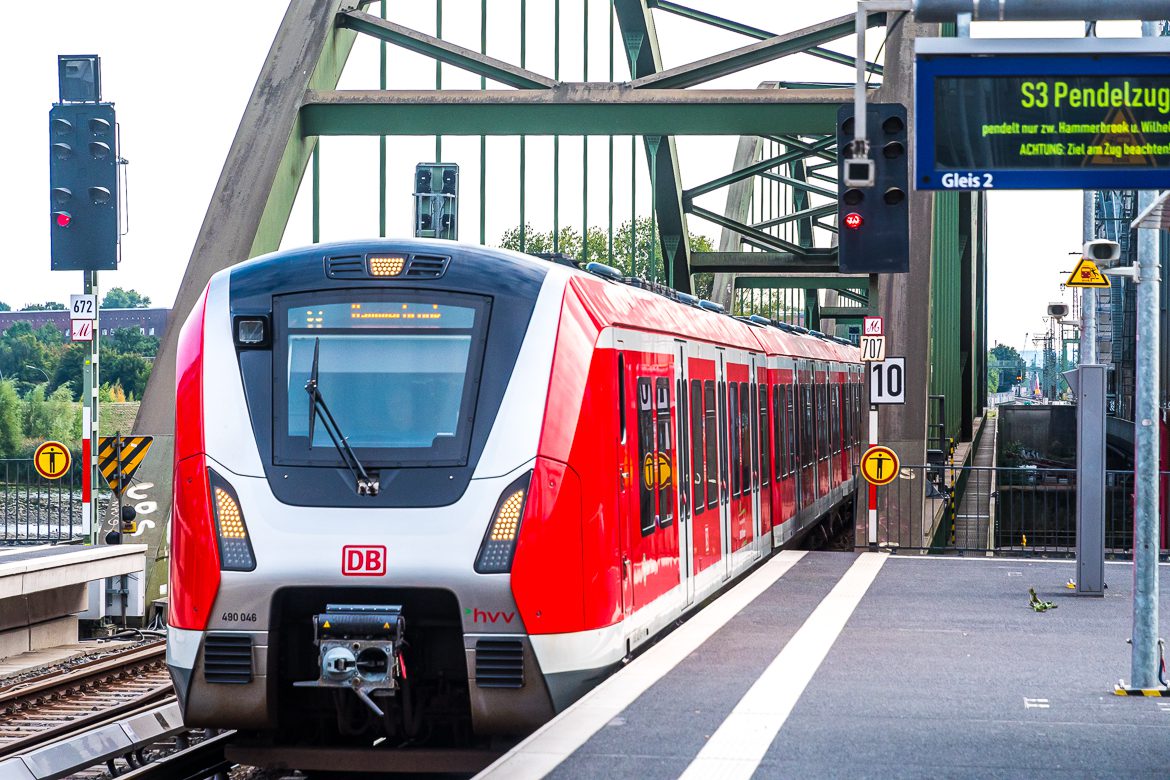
(399,375)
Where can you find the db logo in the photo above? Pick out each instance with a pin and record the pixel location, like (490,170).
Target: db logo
(363,560)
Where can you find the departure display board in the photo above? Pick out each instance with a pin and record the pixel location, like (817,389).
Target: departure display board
(1066,121)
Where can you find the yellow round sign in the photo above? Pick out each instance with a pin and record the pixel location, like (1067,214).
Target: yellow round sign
(51,460)
(879,465)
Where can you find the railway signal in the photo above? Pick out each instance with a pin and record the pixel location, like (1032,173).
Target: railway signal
(436,200)
(83,187)
(873,209)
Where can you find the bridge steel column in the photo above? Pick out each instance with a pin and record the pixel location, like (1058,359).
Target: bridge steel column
(645,59)
(900,299)
(249,209)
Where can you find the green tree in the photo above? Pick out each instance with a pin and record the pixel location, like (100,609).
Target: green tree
(130,371)
(1004,353)
(69,369)
(55,416)
(117,298)
(10,428)
(134,341)
(637,251)
(48,306)
(4,306)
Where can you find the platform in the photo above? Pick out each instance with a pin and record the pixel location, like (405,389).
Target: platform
(873,665)
(42,589)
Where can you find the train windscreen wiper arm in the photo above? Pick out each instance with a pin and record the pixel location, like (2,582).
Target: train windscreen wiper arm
(366,485)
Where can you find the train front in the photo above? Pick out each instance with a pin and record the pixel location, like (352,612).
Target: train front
(356,430)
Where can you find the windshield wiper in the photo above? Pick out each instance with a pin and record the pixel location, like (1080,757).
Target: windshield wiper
(366,485)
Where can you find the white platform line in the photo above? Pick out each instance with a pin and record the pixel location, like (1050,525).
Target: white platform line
(552,743)
(737,747)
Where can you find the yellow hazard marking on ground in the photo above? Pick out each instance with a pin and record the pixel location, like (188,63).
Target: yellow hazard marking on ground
(119,457)
(879,465)
(656,472)
(1086,274)
(51,460)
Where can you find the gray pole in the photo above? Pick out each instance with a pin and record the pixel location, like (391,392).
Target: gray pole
(1146,431)
(1088,295)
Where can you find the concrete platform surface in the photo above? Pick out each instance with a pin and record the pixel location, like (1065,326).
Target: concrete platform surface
(874,665)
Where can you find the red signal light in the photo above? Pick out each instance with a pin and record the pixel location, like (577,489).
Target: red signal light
(853,220)
(63,218)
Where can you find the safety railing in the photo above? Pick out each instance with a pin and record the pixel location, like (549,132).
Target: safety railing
(37,510)
(987,510)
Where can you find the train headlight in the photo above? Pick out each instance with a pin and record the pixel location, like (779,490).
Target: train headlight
(387,266)
(499,543)
(235,549)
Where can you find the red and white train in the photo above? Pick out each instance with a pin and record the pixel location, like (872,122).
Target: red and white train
(434,492)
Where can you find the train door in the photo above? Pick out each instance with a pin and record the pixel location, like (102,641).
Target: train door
(824,440)
(683,451)
(741,504)
(753,426)
(806,439)
(724,462)
(769,485)
(650,560)
(705,505)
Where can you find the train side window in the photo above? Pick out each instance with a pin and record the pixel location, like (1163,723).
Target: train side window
(684,451)
(647,457)
(790,425)
(808,430)
(822,401)
(835,417)
(847,419)
(710,428)
(699,473)
(736,452)
(747,460)
(778,461)
(622,397)
(722,423)
(765,438)
(665,456)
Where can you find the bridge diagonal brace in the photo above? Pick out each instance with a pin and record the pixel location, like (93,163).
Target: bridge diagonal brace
(637,23)
(751,170)
(444,51)
(754,32)
(749,234)
(755,53)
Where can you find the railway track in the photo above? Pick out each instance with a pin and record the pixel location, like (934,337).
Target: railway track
(53,706)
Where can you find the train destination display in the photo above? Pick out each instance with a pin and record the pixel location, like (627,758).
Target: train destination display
(1064,122)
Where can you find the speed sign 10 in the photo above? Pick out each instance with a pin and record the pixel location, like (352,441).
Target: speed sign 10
(887,381)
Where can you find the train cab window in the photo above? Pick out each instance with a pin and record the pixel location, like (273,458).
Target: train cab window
(664,463)
(736,451)
(699,473)
(398,370)
(746,437)
(710,442)
(647,457)
(765,438)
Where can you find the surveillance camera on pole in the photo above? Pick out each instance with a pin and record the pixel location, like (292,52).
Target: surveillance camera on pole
(1058,311)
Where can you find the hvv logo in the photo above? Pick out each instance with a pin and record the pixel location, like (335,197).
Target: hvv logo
(484,616)
(363,560)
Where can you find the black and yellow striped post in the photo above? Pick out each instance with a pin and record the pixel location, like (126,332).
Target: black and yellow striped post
(119,457)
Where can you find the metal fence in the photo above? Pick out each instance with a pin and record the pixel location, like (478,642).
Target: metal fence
(38,510)
(987,510)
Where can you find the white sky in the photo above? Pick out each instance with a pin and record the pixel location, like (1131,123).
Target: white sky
(180,77)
